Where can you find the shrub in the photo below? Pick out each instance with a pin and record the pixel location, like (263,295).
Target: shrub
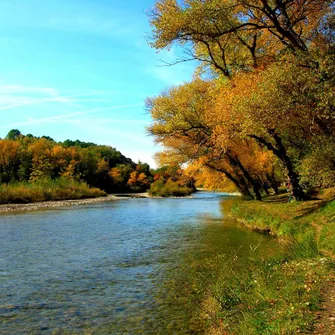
(168,189)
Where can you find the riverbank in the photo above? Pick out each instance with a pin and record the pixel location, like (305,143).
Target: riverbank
(293,293)
(47,190)
(33,206)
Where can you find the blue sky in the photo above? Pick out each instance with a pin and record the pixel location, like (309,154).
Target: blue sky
(82,69)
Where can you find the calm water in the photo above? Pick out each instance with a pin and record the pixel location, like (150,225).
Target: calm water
(105,268)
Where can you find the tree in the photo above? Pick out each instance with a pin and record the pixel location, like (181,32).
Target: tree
(263,109)
(186,122)
(235,35)
(9,160)
(13,134)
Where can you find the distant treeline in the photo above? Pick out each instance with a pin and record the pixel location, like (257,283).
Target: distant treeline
(27,158)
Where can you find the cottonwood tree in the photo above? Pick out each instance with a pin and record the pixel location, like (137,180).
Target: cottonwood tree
(184,122)
(286,110)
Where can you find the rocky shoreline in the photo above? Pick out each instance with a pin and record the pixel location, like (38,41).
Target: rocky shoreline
(33,206)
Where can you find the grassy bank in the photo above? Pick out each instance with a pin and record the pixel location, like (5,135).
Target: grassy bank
(301,223)
(46,190)
(280,295)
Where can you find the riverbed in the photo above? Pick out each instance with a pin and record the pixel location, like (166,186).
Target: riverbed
(118,267)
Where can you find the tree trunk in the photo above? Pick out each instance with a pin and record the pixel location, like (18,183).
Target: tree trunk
(297,190)
(238,181)
(234,161)
(272,181)
(280,152)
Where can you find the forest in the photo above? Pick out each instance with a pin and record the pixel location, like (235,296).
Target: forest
(260,109)
(30,165)
(258,113)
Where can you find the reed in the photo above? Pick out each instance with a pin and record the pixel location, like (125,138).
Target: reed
(47,190)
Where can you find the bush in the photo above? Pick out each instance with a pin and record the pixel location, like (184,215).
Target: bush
(168,189)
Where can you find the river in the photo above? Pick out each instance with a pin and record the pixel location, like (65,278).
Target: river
(114,267)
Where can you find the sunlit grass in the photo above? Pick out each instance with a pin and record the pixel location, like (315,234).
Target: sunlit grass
(48,189)
(268,295)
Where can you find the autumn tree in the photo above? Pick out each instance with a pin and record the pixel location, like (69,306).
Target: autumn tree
(185,122)
(279,59)
(31,158)
(120,175)
(171,180)
(234,35)
(138,181)
(9,160)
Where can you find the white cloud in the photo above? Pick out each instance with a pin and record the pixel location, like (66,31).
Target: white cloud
(42,121)
(15,96)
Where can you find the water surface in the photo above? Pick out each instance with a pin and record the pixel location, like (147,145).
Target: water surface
(105,268)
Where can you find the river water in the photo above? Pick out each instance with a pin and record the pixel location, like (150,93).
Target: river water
(107,268)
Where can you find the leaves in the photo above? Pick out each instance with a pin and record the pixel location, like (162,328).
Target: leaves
(278,99)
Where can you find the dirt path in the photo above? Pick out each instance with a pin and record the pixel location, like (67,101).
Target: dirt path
(325,324)
(326,318)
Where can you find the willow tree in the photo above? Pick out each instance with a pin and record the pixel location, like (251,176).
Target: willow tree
(234,35)
(185,124)
(282,111)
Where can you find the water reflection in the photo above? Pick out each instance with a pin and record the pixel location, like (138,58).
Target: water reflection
(115,268)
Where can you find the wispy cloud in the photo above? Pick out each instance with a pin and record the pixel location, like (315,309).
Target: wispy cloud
(15,96)
(92,17)
(12,96)
(42,121)
(34,96)
(37,101)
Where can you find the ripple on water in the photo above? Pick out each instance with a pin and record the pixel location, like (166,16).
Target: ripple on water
(107,268)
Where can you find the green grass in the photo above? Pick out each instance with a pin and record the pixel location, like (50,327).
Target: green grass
(45,190)
(276,296)
(280,295)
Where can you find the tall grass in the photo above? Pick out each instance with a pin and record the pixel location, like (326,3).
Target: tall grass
(276,296)
(268,295)
(47,189)
(280,295)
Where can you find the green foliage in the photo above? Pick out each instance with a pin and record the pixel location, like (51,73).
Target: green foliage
(13,134)
(170,188)
(77,143)
(171,181)
(318,167)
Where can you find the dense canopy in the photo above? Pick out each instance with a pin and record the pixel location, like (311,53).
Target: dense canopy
(265,112)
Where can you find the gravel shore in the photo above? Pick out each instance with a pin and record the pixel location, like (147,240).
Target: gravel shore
(8,208)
